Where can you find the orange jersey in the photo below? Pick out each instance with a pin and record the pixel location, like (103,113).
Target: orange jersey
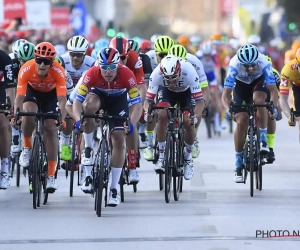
(55,79)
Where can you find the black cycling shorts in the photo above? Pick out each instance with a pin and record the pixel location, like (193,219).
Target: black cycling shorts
(296,93)
(114,105)
(165,95)
(243,93)
(2,93)
(46,101)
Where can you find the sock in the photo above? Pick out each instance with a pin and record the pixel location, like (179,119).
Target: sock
(142,128)
(88,170)
(161,146)
(188,153)
(239,159)
(223,112)
(88,139)
(271,140)
(51,168)
(15,131)
(131,159)
(115,177)
(263,134)
(150,137)
(65,139)
(27,142)
(4,165)
(217,122)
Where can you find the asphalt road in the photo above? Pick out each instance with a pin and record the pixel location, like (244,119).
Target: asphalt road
(213,213)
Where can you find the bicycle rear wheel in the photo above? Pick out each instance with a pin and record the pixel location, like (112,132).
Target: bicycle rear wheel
(177,170)
(168,166)
(35,161)
(100,175)
(18,170)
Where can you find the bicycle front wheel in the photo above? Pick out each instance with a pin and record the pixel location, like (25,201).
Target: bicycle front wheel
(251,154)
(168,166)
(74,144)
(35,161)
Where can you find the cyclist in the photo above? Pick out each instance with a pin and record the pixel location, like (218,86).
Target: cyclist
(75,61)
(180,51)
(108,82)
(161,48)
(101,43)
(176,80)
(60,49)
(25,52)
(145,46)
(132,60)
(147,71)
(42,82)
(249,77)
(290,73)
(272,122)
(205,54)
(7,79)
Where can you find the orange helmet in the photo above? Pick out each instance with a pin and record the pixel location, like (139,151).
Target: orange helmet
(45,50)
(216,39)
(145,45)
(295,45)
(298,55)
(183,40)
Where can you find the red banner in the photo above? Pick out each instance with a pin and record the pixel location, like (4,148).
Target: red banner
(14,9)
(227,7)
(60,17)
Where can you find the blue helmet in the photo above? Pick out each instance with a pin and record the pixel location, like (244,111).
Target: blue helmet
(247,54)
(101,43)
(95,52)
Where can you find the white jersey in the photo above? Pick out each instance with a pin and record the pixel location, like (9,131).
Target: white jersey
(69,83)
(188,79)
(153,58)
(198,66)
(237,71)
(76,74)
(72,96)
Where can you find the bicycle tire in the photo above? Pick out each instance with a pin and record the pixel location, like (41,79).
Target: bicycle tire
(177,176)
(18,170)
(161,181)
(35,166)
(259,160)
(251,155)
(74,142)
(12,166)
(100,176)
(121,183)
(134,187)
(168,166)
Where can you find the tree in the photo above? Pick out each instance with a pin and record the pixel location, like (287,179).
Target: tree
(143,24)
(291,8)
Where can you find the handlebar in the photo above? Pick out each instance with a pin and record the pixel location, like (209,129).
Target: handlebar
(39,115)
(6,107)
(268,105)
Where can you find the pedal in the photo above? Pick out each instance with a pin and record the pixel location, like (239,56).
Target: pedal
(160,171)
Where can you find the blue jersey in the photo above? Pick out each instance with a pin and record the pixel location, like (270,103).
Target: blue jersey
(237,71)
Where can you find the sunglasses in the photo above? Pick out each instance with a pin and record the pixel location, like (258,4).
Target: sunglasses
(110,67)
(173,77)
(123,57)
(73,54)
(247,66)
(46,61)
(162,55)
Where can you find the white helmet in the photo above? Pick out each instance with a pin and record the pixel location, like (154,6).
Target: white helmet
(78,44)
(16,44)
(206,48)
(254,39)
(60,49)
(170,65)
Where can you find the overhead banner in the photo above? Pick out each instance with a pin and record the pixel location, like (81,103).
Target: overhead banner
(60,17)
(12,9)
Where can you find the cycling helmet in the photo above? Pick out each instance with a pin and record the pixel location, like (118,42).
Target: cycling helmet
(145,45)
(16,45)
(78,44)
(121,44)
(101,43)
(154,37)
(183,40)
(163,44)
(95,53)
(60,49)
(195,40)
(216,39)
(178,50)
(108,56)
(45,50)
(170,65)
(134,45)
(247,54)
(206,48)
(254,39)
(26,51)
(269,59)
